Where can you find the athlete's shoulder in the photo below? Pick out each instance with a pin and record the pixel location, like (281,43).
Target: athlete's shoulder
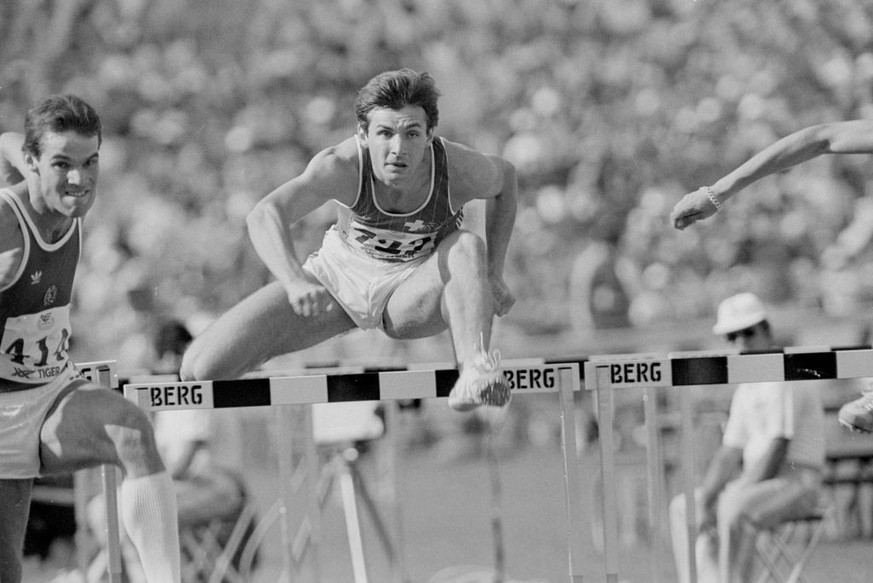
(474,170)
(342,154)
(332,174)
(337,162)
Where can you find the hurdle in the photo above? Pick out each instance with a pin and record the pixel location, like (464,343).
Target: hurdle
(417,382)
(604,374)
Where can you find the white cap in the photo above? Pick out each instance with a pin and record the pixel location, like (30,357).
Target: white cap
(738,313)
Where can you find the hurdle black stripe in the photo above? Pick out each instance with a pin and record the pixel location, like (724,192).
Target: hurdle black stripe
(241,393)
(712,370)
(810,366)
(352,387)
(445,381)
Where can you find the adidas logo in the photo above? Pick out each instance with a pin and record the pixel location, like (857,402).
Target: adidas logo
(35,277)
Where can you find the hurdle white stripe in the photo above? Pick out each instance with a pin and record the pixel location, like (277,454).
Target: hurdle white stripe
(756,368)
(298,390)
(407,385)
(855,363)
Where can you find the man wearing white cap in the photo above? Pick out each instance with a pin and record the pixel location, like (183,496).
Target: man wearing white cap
(768,468)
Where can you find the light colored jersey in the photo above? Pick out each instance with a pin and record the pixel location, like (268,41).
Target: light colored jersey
(35,306)
(399,237)
(761,412)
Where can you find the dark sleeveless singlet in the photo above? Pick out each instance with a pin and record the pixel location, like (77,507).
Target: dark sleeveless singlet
(35,307)
(398,237)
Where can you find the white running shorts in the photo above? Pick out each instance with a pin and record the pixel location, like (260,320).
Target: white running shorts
(22,414)
(361,284)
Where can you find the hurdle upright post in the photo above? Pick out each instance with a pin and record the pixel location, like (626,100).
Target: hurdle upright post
(102,374)
(110,502)
(689,478)
(399,571)
(603,386)
(655,476)
(568,380)
(297,544)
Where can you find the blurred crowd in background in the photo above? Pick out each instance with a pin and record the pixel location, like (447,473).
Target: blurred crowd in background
(610,109)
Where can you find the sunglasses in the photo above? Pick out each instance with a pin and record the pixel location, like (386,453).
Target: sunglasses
(745,333)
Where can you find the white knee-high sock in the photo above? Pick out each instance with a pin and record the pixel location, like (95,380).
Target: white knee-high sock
(148,509)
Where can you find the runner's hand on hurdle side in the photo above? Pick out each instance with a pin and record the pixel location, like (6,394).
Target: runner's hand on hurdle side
(694,206)
(308,298)
(503,298)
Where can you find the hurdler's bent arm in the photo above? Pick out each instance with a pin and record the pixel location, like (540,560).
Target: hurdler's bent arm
(499,222)
(491,178)
(850,137)
(500,215)
(328,176)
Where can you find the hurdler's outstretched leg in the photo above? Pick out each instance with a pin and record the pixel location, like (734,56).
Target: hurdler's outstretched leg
(261,326)
(452,289)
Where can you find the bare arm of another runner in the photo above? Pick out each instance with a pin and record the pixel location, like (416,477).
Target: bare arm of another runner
(12,166)
(11,244)
(850,137)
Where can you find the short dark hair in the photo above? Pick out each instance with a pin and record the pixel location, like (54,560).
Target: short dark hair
(59,113)
(396,90)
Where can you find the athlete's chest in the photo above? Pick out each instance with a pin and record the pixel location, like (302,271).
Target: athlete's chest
(401,201)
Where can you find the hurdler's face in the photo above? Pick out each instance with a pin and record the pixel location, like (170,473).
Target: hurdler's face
(398,140)
(67,170)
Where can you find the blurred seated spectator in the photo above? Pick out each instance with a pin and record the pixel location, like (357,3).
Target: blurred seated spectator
(768,469)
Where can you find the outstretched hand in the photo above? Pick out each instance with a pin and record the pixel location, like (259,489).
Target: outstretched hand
(694,206)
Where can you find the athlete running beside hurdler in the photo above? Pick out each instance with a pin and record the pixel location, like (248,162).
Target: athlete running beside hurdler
(849,137)
(397,258)
(53,420)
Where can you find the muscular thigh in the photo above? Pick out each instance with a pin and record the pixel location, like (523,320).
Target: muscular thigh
(85,428)
(415,309)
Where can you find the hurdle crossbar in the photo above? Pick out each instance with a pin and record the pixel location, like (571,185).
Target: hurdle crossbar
(530,376)
(605,373)
(679,369)
(330,388)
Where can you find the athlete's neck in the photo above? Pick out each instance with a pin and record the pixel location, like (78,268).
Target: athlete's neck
(408,195)
(51,224)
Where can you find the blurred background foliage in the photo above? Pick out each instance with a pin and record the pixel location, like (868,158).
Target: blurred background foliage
(610,109)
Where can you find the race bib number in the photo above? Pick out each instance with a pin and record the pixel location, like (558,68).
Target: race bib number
(390,245)
(35,347)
